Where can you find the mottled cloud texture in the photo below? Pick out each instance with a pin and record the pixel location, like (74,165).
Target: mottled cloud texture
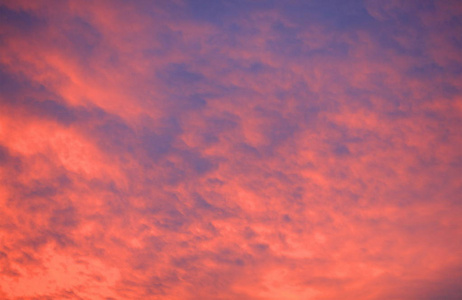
(231,149)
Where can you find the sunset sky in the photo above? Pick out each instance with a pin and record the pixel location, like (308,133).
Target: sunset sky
(212,149)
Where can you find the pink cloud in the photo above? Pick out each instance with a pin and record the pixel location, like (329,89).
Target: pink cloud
(179,151)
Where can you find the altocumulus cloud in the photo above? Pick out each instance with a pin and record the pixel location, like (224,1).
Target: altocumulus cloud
(230,150)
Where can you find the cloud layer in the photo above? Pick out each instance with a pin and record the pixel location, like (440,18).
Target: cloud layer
(230,150)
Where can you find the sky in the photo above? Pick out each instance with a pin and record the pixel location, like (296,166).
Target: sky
(199,149)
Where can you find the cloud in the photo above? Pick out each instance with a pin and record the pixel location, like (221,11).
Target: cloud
(230,150)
